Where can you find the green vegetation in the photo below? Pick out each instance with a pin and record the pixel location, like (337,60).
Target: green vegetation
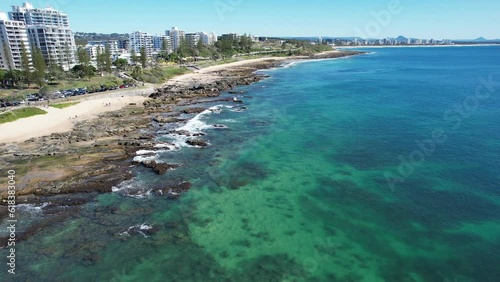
(143,57)
(157,74)
(19,93)
(64,105)
(25,62)
(40,67)
(20,113)
(304,48)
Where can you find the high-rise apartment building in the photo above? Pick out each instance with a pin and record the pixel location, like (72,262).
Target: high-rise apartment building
(192,39)
(208,38)
(176,36)
(13,38)
(48,30)
(139,40)
(162,43)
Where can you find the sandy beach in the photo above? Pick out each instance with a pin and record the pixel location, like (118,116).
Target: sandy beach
(63,120)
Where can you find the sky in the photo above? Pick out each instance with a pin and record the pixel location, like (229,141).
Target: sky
(443,19)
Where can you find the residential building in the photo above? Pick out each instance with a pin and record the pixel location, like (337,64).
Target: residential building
(13,37)
(112,45)
(139,40)
(48,30)
(124,43)
(162,42)
(176,36)
(94,49)
(233,36)
(208,38)
(192,39)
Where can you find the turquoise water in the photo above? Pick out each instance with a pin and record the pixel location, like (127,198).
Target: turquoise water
(329,175)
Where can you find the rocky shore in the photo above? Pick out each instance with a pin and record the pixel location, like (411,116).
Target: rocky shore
(71,169)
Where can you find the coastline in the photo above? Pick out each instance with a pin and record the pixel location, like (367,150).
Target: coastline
(414,46)
(72,168)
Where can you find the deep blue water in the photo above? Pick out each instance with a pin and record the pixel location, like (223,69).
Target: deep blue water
(380,167)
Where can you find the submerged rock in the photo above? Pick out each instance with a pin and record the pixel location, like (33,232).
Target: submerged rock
(197,143)
(193,110)
(160,168)
(173,192)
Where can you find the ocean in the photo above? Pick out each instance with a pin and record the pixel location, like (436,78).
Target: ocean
(379,167)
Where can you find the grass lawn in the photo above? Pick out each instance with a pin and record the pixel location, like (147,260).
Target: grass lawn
(161,74)
(20,113)
(64,105)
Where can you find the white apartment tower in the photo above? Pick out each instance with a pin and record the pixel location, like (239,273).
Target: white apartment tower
(138,40)
(48,30)
(161,42)
(176,36)
(12,38)
(94,49)
(208,38)
(192,39)
(112,45)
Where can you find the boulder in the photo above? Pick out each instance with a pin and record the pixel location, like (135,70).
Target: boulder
(160,168)
(193,110)
(197,143)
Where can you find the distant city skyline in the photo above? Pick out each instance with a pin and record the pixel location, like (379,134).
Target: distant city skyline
(446,19)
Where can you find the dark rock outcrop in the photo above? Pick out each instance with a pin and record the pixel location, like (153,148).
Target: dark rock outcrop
(160,168)
(197,143)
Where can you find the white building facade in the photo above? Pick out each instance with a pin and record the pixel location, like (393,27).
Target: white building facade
(48,30)
(192,39)
(176,37)
(13,38)
(139,40)
(162,43)
(208,38)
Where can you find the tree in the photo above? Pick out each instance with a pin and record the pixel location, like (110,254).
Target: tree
(40,67)
(3,77)
(8,55)
(84,69)
(100,58)
(136,73)
(83,56)
(54,70)
(133,57)
(107,59)
(13,77)
(164,47)
(25,65)
(144,58)
(200,46)
(67,54)
(121,64)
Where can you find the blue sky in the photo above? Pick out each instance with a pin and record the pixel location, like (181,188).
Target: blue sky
(454,19)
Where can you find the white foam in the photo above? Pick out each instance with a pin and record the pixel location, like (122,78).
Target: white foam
(171,147)
(195,126)
(131,188)
(125,185)
(148,159)
(33,209)
(138,228)
(145,152)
